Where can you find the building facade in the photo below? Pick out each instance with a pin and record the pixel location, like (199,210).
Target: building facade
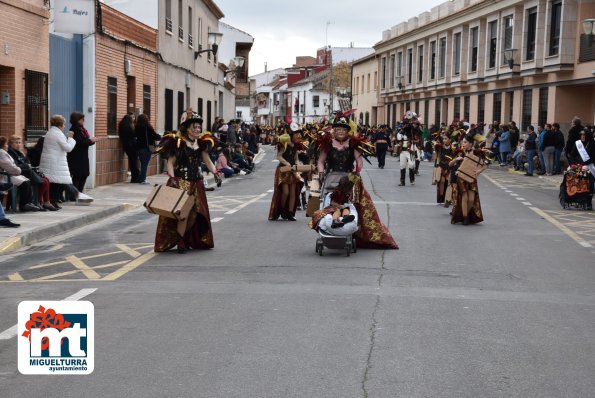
(125,82)
(24,68)
(185,77)
(364,90)
(485,60)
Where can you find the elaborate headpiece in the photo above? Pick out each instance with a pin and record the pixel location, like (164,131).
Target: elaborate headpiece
(341,122)
(190,117)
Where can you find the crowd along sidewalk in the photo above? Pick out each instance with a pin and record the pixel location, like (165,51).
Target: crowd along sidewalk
(109,201)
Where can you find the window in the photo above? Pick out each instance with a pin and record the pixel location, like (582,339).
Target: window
(417,107)
(481,104)
(199,109)
(457,108)
(466,107)
(383,73)
(315,101)
(507,42)
(147,100)
(367,82)
(199,36)
(169,110)
(432,60)
(392,71)
(180,16)
(409,65)
(555,20)
(531,33)
(168,24)
(474,48)
(493,42)
(112,105)
(375,81)
(542,113)
(442,57)
(426,108)
(190,42)
(36,104)
(456,54)
(420,63)
(527,104)
(356,85)
(210,113)
(399,65)
(438,105)
(497,105)
(181,105)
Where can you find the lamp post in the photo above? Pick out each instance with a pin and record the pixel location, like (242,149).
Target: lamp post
(589,28)
(509,57)
(239,63)
(214,40)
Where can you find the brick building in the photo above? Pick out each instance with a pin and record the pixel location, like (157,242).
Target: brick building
(24,67)
(125,81)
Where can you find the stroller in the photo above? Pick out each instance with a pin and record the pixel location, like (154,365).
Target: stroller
(340,238)
(576,191)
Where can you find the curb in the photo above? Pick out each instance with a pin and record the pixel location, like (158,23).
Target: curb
(27,238)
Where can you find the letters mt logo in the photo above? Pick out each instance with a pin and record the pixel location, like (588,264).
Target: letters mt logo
(56,337)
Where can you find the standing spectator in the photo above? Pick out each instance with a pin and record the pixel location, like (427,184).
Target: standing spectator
(145,143)
(504,145)
(540,135)
(549,148)
(515,135)
(530,146)
(380,139)
(37,179)
(128,140)
(216,124)
(573,134)
(559,148)
(232,132)
(54,164)
(8,165)
(78,157)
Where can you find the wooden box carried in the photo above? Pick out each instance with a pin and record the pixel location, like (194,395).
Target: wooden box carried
(470,164)
(299,168)
(169,202)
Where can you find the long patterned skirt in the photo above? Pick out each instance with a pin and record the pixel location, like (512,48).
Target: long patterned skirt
(284,178)
(475,214)
(199,234)
(372,233)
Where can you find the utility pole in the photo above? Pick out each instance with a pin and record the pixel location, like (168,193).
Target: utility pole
(328,53)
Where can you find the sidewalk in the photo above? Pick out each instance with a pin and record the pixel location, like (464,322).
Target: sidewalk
(109,200)
(551,181)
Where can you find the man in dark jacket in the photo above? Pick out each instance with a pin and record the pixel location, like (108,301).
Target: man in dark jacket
(381,140)
(559,148)
(530,147)
(573,135)
(515,135)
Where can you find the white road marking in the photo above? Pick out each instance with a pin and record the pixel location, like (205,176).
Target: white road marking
(562,227)
(217,219)
(231,211)
(259,156)
(13,330)
(275,161)
(520,198)
(271,190)
(527,203)
(514,194)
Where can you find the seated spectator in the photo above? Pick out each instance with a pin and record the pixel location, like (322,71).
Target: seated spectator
(8,165)
(519,155)
(238,157)
(37,179)
(223,165)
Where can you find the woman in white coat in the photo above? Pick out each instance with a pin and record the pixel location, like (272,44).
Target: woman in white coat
(54,164)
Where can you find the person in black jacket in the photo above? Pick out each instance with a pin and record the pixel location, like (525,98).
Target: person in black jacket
(78,158)
(145,140)
(559,148)
(381,140)
(126,134)
(573,135)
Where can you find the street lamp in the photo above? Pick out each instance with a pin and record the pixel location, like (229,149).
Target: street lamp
(509,57)
(239,63)
(589,27)
(213,40)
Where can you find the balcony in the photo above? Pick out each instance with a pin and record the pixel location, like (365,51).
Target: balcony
(168,25)
(180,33)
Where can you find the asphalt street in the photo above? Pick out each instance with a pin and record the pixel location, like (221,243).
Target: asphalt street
(505,308)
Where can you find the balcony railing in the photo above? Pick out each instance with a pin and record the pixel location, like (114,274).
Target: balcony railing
(168,25)
(190,42)
(180,33)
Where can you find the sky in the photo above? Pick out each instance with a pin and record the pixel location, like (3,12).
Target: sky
(284,29)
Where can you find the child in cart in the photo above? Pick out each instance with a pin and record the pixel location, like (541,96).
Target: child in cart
(339,216)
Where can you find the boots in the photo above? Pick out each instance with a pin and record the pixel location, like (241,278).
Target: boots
(411,176)
(403,172)
(466,220)
(304,201)
(416,167)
